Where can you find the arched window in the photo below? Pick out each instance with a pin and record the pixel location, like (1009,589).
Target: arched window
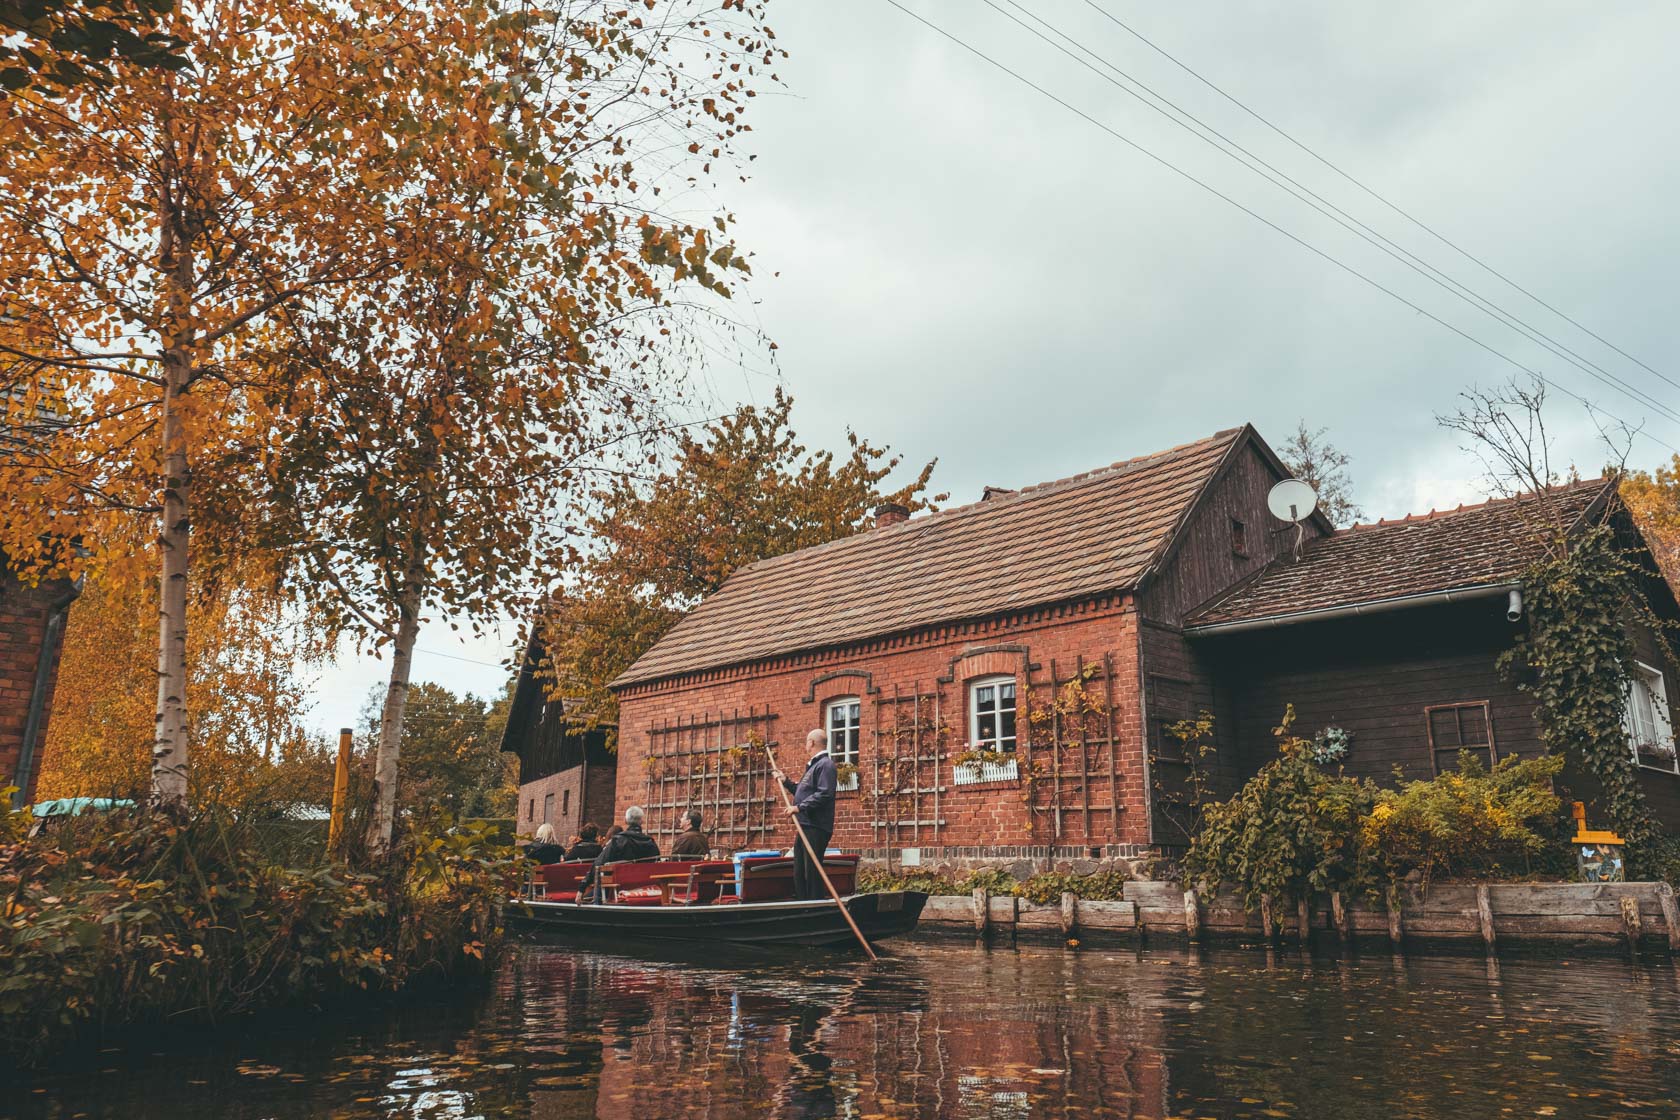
(991,714)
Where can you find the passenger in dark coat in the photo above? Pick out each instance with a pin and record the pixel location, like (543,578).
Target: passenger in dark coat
(631,844)
(692,844)
(543,847)
(588,845)
(813,808)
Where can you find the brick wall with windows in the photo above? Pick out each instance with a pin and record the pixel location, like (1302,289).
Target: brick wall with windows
(906,689)
(563,797)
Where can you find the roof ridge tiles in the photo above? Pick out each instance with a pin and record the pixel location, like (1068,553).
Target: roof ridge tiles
(1001,501)
(1437,515)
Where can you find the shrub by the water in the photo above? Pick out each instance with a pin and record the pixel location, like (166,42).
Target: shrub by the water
(1473,822)
(145,918)
(1292,829)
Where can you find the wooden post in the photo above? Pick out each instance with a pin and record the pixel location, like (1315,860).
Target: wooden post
(1396,926)
(1671,915)
(1339,916)
(1070,914)
(1484,912)
(1303,921)
(982,912)
(1630,921)
(341,789)
(1192,916)
(1267,925)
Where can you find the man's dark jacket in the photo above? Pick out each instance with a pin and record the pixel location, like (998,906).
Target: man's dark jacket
(632,843)
(692,843)
(814,795)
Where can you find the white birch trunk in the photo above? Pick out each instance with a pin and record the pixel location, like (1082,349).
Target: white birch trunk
(169,747)
(382,822)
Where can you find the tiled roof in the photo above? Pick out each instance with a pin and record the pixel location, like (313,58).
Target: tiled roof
(1084,535)
(1471,546)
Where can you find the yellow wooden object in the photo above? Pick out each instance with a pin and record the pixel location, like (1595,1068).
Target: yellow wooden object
(1585,835)
(341,786)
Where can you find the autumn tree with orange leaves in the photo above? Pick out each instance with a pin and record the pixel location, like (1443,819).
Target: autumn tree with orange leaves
(743,489)
(365,260)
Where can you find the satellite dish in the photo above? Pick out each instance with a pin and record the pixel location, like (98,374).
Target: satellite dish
(1292,500)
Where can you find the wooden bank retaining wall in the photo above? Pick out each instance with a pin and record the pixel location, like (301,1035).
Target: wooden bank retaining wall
(1489,915)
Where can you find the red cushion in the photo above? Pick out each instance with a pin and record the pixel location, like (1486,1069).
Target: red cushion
(562,896)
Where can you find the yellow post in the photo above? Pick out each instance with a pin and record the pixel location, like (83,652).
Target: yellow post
(341,787)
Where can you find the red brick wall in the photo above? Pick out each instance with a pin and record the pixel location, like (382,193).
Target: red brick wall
(23,622)
(694,716)
(569,803)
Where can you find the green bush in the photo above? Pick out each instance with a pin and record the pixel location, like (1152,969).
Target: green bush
(140,917)
(1051,885)
(1291,830)
(1043,888)
(1472,822)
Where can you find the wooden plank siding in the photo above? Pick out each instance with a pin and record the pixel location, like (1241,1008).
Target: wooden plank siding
(1178,681)
(1374,677)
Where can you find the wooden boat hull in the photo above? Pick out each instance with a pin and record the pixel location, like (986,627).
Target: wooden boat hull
(888,914)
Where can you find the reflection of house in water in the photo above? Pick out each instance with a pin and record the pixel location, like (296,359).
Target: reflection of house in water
(678,1041)
(566,774)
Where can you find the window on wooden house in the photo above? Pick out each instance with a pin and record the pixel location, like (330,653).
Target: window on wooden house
(1239,538)
(843,718)
(565,803)
(1650,732)
(991,714)
(1460,727)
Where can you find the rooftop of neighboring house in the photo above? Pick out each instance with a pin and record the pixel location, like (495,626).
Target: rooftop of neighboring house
(1473,547)
(1011,550)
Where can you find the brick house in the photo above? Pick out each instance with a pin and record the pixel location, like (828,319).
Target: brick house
(997,679)
(32,619)
(566,773)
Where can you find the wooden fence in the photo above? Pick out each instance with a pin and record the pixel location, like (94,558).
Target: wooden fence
(1602,915)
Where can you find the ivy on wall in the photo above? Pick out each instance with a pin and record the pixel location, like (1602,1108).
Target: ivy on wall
(1574,662)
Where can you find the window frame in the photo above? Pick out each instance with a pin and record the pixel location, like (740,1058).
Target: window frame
(855,727)
(1459,707)
(1662,723)
(548,808)
(1239,537)
(975,741)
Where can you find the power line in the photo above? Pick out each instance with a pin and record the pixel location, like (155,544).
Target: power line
(1431,230)
(1349,269)
(1281,179)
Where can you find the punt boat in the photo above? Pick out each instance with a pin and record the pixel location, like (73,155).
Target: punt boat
(746,902)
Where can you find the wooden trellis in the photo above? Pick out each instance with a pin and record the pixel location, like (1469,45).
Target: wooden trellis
(1069,759)
(911,740)
(717,764)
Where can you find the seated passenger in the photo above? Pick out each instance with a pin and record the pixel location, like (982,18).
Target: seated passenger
(632,843)
(588,845)
(544,849)
(693,843)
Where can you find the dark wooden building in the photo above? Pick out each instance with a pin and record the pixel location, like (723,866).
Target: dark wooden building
(567,776)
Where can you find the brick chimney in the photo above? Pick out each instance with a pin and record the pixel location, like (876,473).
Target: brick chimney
(890,513)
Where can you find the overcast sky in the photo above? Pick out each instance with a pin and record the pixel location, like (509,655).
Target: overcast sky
(970,271)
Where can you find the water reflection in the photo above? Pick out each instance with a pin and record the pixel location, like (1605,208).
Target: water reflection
(942,1030)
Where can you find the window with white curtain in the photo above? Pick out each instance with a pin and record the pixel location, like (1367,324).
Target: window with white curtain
(1650,732)
(843,721)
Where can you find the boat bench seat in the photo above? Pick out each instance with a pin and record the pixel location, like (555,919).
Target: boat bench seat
(631,884)
(770,878)
(560,881)
(706,879)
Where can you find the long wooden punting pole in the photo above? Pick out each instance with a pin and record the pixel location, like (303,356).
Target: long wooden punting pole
(817,858)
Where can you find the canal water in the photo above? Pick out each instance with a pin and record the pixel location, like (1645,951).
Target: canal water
(941,1029)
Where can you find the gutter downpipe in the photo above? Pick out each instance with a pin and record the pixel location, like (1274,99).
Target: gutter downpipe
(51,641)
(1379,606)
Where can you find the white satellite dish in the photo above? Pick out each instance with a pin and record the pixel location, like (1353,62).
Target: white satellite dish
(1292,500)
